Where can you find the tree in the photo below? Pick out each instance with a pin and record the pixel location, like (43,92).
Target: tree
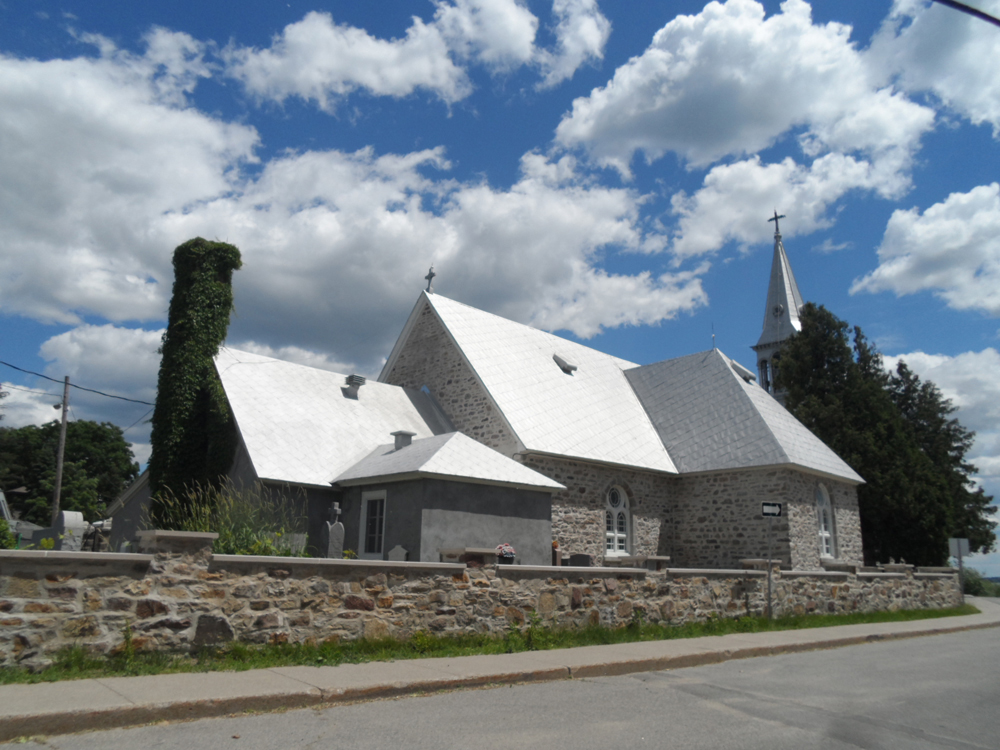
(98,466)
(836,385)
(945,442)
(193,436)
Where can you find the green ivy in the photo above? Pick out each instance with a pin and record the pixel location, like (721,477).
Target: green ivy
(194,435)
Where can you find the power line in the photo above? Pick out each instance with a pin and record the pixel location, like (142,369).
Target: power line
(970,10)
(137,421)
(78,387)
(30,390)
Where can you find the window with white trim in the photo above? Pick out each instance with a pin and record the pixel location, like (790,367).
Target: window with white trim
(371,541)
(616,522)
(824,519)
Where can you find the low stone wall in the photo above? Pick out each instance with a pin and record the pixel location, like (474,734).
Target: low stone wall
(178,595)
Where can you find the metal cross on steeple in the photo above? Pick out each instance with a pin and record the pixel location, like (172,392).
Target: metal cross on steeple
(777,231)
(430,277)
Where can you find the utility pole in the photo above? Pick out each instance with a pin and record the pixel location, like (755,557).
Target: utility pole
(62,449)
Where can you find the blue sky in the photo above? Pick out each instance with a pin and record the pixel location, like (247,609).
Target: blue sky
(605,170)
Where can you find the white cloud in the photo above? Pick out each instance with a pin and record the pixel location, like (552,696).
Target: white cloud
(116,361)
(330,239)
(953,248)
(581,33)
(101,177)
(90,151)
(498,33)
(24,406)
(972,381)
(728,82)
(124,360)
(319,60)
(728,207)
(929,47)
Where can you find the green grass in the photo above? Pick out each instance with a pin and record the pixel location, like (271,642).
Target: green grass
(77,663)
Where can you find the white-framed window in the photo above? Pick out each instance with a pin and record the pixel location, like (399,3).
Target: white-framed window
(824,519)
(371,542)
(617,523)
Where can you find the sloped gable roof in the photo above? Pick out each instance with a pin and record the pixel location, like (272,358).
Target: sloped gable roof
(711,419)
(452,455)
(589,413)
(298,426)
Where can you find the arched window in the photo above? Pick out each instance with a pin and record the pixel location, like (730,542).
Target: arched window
(775,361)
(824,518)
(616,522)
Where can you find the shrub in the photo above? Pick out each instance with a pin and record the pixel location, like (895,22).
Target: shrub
(7,538)
(249,520)
(974,584)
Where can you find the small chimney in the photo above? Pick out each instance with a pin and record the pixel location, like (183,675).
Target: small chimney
(353,382)
(403,438)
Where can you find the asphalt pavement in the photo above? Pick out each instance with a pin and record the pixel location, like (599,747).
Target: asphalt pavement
(77,705)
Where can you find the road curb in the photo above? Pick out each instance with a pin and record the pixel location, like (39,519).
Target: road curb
(68,721)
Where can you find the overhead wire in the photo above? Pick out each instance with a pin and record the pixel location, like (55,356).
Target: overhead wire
(78,387)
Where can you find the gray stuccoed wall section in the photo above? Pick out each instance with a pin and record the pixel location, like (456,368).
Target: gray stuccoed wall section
(179,595)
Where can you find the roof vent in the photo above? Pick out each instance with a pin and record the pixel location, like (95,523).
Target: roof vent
(565,366)
(353,382)
(403,438)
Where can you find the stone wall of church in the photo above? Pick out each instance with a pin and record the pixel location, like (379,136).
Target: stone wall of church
(431,359)
(719,520)
(578,511)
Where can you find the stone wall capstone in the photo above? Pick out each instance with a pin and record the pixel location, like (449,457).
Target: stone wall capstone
(180,596)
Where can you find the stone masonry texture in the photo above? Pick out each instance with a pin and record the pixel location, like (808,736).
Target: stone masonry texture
(711,520)
(178,597)
(430,359)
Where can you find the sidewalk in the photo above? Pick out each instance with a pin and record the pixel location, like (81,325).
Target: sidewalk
(77,705)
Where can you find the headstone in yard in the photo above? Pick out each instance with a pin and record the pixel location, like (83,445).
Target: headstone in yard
(69,530)
(398,554)
(333,534)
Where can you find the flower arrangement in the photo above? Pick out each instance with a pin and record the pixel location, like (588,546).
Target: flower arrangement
(505,550)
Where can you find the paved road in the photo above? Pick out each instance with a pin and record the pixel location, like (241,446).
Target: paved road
(933,692)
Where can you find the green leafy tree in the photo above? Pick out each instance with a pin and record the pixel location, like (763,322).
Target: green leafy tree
(835,384)
(98,466)
(193,436)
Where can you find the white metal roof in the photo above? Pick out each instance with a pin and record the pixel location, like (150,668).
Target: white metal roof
(590,413)
(452,455)
(299,426)
(711,418)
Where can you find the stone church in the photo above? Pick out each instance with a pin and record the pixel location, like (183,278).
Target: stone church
(481,430)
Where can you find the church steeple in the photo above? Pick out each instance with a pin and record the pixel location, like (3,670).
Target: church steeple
(781,313)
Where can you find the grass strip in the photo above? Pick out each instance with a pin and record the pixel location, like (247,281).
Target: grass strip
(77,663)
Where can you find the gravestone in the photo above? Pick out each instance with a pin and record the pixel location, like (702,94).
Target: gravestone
(398,554)
(333,534)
